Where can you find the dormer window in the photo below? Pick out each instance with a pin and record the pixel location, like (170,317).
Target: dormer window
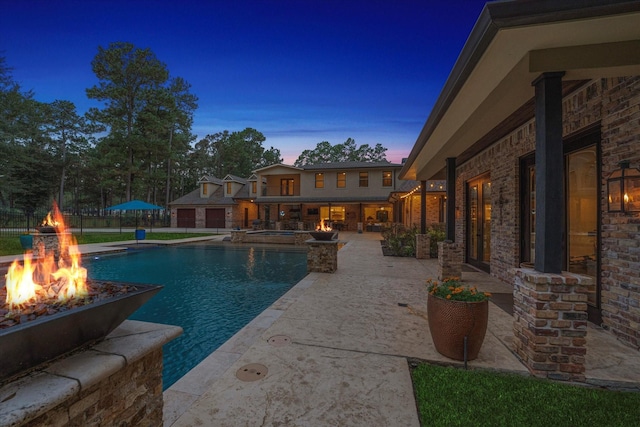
(229,188)
(254,187)
(205,189)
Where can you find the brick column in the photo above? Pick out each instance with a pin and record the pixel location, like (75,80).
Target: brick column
(550,322)
(322,256)
(423,244)
(449,260)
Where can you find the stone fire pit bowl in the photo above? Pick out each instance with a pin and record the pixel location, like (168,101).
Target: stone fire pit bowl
(324,235)
(26,345)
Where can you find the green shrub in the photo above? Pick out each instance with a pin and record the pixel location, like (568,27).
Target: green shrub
(401,240)
(436,234)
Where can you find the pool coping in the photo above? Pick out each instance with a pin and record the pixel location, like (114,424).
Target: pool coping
(189,388)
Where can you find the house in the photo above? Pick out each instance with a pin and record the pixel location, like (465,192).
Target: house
(346,195)
(216,203)
(534,128)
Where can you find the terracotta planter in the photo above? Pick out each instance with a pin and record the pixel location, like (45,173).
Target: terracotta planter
(451,321)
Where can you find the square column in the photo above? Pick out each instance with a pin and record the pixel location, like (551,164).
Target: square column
(550,322)
(449,260)
(423,246)
(322,256)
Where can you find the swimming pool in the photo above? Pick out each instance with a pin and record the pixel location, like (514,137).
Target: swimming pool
(211,290)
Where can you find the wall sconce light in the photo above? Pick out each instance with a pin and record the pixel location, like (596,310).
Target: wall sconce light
(623,189)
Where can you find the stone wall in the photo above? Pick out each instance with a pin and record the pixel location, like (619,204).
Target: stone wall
(322,256)
(131,397)
(115,382)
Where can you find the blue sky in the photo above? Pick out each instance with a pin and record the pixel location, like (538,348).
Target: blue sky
(299,71)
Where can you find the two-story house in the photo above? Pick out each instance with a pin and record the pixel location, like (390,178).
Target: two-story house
(344,194)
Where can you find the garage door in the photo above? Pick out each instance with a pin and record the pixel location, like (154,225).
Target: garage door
(215,218)
(186,218)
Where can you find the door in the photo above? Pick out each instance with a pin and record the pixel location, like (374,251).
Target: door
(215,218)
(581,183)
(186,218)
(479,222)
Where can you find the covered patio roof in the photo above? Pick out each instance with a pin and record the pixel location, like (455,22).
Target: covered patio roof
(512,43)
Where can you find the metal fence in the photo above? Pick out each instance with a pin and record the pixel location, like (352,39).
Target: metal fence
(15,223)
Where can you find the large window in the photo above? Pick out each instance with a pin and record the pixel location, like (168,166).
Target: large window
(364,179)
(387,179)
(286,187)
(333,213)
(320,180)
(341,180)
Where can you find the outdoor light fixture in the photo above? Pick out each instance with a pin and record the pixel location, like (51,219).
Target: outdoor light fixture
(623,189)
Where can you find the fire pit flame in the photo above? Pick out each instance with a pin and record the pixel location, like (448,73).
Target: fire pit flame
(41,281)
(323,227)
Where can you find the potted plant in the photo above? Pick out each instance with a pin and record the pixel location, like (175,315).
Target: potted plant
(458,317)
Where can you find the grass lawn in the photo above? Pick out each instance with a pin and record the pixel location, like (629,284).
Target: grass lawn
(11,245)
(454,397)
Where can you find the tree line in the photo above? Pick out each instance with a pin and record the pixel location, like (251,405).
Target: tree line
(137,145)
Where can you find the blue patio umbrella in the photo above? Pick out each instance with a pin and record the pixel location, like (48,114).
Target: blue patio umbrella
(134,205)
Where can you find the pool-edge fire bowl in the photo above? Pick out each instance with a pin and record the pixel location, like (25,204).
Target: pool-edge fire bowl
(25,346)
(324,236)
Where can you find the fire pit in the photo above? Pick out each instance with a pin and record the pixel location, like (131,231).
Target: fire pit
(324,232)
(323,235)
(48,331)
(48,307)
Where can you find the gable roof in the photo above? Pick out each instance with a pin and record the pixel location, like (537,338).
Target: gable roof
(511,44)
(234,178)
(193,198)
(210,179)
(279,165)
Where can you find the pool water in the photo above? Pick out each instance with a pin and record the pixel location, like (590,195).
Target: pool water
(210,290)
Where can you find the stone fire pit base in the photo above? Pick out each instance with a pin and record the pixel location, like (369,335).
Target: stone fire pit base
(115,382)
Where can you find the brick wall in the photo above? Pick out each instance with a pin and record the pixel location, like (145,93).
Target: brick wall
(615,103)
(620,251)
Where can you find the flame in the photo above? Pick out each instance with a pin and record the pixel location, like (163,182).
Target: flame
(323,227)
(48,221)
(46,281)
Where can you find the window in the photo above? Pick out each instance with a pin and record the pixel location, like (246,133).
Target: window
(286,187)
(254,187)
(387,179)
(204,188)
(364,179)
(319,180)
(342,180)
(229,188)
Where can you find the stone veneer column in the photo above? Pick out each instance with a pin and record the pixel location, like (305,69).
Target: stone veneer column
(237,236)
(322,256)
(423,244)
(550,322)
(48,242)
(449,260)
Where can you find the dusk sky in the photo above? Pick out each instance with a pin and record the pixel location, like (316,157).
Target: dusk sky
(299,71)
